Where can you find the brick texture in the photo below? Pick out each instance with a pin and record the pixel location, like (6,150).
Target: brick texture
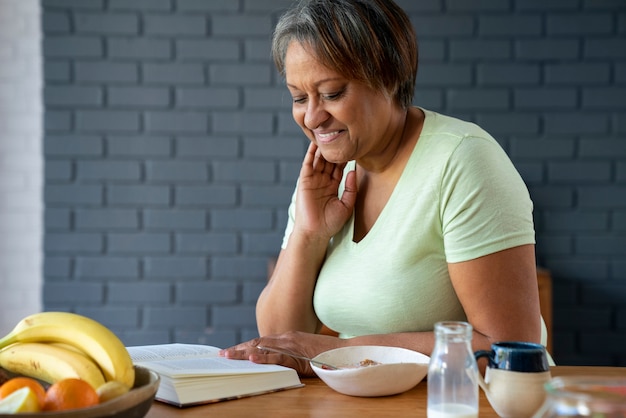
(171,154)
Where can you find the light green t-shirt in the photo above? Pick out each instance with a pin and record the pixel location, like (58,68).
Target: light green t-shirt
(459,198)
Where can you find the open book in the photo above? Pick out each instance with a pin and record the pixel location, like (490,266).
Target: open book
(193,374)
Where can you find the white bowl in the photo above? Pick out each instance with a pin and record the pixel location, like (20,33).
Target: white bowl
(399,371)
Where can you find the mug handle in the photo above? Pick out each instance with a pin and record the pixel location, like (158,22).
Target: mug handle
(485,353)
(480,354)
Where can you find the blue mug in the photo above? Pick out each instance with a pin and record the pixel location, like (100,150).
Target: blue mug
(516,356)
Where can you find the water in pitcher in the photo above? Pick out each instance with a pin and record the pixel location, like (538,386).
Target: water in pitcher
(452,410)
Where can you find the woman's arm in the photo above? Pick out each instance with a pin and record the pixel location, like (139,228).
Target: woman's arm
(286,303)
(498,292)
(500,295)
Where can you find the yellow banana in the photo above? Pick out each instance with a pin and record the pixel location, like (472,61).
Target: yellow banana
(91,337)
(68,347)
(50,363)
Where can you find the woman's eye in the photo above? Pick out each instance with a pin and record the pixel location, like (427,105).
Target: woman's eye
(332,96)
(329,96)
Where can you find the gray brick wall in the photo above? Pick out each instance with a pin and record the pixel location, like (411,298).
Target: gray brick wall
(171,154)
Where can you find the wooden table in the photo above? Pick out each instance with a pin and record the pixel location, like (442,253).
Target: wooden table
(318,400)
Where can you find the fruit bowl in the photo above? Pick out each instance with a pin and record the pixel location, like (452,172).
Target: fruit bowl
(134,404)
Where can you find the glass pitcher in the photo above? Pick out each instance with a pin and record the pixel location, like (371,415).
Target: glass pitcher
(452,373)
(584,396)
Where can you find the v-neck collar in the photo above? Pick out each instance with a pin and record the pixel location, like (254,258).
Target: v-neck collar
(379,223)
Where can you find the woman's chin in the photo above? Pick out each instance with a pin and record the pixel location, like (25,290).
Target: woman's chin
(334,157)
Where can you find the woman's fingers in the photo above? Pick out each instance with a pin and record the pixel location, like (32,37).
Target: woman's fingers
(319,162)
(240,351)
(309,157)
(249,351)
(315,160)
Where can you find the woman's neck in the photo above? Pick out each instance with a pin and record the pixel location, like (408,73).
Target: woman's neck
(394,152)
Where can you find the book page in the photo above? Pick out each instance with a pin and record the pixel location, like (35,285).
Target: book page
(195,374)
(210,366)
(145,353)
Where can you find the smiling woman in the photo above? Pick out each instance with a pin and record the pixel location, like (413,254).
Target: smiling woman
(402,217)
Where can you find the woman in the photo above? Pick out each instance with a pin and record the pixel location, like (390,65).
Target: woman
(402,217)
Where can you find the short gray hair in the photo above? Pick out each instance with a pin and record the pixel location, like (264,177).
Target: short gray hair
(371,41)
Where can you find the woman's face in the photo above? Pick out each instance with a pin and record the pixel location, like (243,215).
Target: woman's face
(345,118)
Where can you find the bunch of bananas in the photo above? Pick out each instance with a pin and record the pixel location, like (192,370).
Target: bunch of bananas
(52,346)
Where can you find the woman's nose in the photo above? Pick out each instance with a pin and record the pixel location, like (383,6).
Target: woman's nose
(315,115)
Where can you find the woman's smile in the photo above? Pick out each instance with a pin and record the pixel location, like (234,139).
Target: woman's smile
(326,137)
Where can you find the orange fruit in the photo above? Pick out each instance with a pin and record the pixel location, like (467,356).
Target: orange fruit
(70,394)
(19,382)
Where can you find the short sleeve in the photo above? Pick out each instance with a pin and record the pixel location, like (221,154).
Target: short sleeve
(485,204)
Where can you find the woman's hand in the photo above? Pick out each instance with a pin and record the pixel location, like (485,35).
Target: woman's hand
(286,303)
(319,209)
(299,343)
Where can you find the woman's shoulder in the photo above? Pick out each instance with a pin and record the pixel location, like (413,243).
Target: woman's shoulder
(438,124)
